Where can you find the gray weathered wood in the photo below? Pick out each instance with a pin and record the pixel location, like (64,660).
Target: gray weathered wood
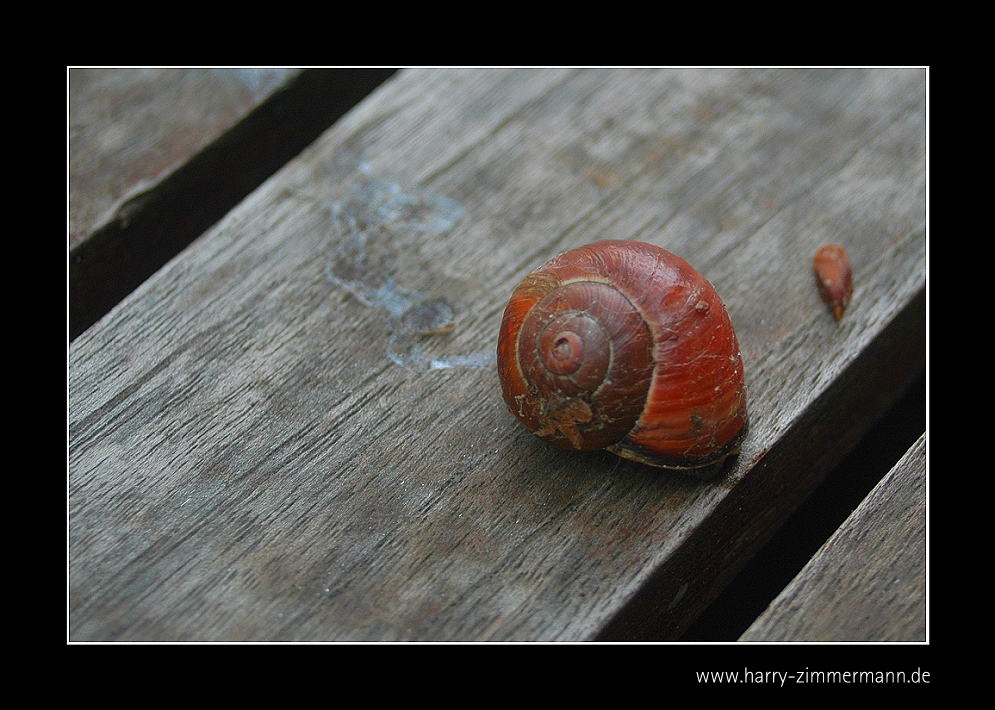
(156,156)
(130,128)
(868,582)
(264,445)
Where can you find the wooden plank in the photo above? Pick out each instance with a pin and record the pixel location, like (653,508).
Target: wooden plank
(262,446)
(868,582)
(157,155)
(130,128)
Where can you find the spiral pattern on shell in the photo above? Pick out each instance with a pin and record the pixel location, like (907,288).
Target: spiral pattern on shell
(623,345)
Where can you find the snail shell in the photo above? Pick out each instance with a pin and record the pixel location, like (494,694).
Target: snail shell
(622,345)
(835,277)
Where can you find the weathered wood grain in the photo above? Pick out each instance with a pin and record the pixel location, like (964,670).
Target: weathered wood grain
(264,445)
(156,156)
(130,128)
(868,582)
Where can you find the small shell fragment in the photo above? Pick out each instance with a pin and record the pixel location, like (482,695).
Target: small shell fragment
(835,277)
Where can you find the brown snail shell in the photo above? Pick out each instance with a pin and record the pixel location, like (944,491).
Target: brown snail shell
(835,277)
(623,345)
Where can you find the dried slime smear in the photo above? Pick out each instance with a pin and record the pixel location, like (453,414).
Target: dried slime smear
(368,221)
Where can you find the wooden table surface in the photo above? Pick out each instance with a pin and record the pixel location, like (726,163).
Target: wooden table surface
(867,582)
(265,445)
